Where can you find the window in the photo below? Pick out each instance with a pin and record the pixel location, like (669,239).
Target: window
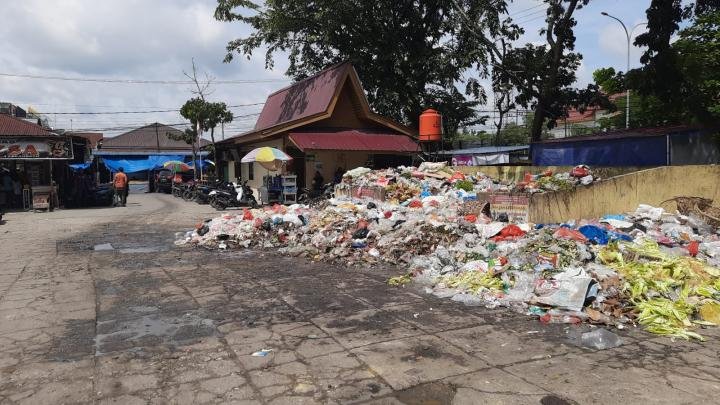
(251,171)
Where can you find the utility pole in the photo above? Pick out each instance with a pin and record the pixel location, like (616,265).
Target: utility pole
(222,128)
(157,137)
(627,89)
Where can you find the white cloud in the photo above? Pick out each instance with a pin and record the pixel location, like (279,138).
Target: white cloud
(613,42)
(122,39)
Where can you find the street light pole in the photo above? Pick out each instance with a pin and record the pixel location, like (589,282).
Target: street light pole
(627,89)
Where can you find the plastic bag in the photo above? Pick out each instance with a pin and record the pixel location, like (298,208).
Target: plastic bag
(509,232)
(568,233)
(594,234)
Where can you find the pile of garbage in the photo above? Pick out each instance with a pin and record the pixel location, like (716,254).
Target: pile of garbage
(649,267)
(404,183)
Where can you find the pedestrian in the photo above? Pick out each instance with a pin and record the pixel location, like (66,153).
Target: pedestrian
(318,181)
(337,179)
(120,182)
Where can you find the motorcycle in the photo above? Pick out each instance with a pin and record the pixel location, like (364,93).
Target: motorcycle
(232,195)
(311,197)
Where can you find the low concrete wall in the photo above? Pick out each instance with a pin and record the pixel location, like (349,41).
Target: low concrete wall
(516,173)
(624,193)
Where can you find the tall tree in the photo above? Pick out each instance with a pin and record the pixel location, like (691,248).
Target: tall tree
(557,62)
(197,112)
(410,54)
(217,113)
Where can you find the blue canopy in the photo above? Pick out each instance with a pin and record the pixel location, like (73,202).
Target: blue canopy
(138,163)
(79,166)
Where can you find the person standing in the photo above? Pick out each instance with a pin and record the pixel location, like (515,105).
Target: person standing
(120,182)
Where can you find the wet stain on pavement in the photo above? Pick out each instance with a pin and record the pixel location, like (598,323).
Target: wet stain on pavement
(555,400)
(435,393)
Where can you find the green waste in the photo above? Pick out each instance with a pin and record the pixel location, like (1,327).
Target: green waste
(474,281)
(400,281)
(670,294)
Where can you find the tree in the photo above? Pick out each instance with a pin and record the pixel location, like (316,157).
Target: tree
(609,81)
(410,54)
(698,55)
(503,76)
(197,112)
(217,113)
(557,65)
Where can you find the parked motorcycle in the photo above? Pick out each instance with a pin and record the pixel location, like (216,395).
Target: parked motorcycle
(232,195)
(199,193)
(311,197)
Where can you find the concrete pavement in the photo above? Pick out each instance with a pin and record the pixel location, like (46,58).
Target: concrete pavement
(146,322)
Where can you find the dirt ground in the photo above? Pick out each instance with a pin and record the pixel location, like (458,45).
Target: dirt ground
(98,306)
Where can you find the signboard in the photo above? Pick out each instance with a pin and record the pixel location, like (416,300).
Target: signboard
(42,149)
(462,160)
(515,206)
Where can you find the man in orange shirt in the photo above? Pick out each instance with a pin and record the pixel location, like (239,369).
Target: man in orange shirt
(120,182)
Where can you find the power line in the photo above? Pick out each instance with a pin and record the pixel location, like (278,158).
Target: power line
(137,81)
(531,17)
(134,112)
(515,14)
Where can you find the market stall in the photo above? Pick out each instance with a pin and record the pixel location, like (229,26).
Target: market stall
(31,154)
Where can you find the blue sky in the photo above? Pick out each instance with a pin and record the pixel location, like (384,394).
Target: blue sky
(601,40)
(139,39)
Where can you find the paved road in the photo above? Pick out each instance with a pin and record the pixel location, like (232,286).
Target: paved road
(146,322)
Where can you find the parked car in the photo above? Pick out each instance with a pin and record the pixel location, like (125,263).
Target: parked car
(164,180)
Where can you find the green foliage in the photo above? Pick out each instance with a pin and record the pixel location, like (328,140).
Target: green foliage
(410,55)
(609,81)
(680,81)
(466,185)
(698,54)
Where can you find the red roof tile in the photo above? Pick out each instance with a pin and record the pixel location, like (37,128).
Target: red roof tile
(354,140)
(302,99)
(11,126)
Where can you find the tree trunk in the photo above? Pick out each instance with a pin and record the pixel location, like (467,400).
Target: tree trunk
(557,47)
(212,139)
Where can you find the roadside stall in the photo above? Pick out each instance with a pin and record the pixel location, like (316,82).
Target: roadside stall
(31,162)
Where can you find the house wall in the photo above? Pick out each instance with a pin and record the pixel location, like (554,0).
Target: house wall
(330,161)
(345,114)
(258,170)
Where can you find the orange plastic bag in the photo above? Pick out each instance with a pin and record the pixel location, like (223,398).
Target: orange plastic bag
(247,215)
(457,176)
(567,233)
(510,232)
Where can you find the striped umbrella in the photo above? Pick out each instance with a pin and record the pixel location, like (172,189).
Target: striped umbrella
(177,166)
(269,158)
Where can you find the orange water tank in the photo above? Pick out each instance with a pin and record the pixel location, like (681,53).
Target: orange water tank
(431,128)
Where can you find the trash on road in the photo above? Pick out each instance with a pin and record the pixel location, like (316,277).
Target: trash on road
(649,267)
(262,353)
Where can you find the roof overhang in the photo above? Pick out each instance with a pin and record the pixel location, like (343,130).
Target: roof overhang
(354,140)
(101,152)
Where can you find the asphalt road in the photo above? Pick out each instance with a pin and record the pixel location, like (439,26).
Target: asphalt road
(140,321)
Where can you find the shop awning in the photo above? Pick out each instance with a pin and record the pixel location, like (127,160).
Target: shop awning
(354,140)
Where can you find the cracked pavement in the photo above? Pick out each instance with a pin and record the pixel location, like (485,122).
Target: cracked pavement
(149,323)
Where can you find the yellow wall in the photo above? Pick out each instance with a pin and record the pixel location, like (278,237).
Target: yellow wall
(516,173)
(624,193)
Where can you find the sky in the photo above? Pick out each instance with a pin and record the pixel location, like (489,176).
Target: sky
(157,40)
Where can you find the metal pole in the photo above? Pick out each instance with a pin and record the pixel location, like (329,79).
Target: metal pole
(627,90)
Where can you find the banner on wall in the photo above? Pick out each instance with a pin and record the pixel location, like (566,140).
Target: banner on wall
(13,148)
(481,160)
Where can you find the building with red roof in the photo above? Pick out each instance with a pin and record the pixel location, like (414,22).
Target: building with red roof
(324,123)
